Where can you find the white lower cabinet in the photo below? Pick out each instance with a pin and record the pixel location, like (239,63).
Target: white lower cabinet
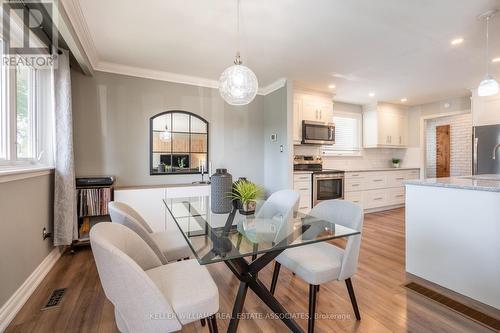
(302,183)
(148,202)
(377,190)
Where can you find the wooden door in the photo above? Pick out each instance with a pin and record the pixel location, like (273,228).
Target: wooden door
(443,151)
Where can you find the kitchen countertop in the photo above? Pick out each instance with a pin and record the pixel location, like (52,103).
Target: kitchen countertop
(490,183)
(379,169)
(302,172)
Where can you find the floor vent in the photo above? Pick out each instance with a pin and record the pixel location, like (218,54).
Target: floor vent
(54,299)
(466,311)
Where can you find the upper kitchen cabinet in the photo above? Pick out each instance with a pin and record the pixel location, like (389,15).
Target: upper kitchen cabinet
(485,110)
(385,125)
(310,107)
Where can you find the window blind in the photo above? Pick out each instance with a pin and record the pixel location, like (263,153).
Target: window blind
(347,135)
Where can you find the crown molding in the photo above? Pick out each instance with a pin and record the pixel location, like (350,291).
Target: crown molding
(110,67)
(75,14)
(279,83)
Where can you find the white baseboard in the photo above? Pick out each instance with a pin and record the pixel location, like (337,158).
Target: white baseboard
(381,209)
(9,310)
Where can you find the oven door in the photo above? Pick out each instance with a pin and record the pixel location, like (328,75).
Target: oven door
(327,187)
(319,133)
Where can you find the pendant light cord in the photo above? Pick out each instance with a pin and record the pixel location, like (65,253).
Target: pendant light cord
(237,61)
(487,45)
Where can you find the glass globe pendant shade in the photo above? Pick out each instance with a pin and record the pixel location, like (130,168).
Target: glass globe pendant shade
(238,85)
(488,87)
(166,135)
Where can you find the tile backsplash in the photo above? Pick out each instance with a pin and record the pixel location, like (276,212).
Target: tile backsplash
(370,158)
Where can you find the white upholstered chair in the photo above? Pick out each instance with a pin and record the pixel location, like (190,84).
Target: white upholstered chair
(323,262)
(149,296)
(168,245)
(280,205)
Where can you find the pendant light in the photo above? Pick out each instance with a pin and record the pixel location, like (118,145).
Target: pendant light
(166,135)
(489,86)
(238,84)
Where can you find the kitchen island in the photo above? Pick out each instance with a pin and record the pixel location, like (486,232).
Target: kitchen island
(453,234)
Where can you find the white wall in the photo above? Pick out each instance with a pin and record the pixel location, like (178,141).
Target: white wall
(460,144)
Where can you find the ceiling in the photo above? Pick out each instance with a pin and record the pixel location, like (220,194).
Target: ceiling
(394,48)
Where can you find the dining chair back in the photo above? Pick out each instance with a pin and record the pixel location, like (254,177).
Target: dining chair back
(121,258)
(123,214)
(283,203)
(347,214)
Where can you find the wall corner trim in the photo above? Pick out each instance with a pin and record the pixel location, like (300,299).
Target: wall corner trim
(10,309)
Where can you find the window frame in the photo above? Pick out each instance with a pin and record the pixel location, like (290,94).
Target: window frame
(8,119)
(331,151)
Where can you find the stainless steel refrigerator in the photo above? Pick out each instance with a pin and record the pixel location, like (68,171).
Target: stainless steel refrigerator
(486,154)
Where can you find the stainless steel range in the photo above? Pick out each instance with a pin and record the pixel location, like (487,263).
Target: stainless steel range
(327,184)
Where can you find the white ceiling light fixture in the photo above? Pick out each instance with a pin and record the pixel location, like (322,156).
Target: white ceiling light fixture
(495,60)
(404,99)
(489,86)
(238,85)
(331,86)
(372,94)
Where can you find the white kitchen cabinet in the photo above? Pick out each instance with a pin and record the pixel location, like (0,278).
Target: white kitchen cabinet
(385,125)
(302,183)
(307,106)
(485,110)
(148,201)
(378,190)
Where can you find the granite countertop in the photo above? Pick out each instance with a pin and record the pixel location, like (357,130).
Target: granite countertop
(379,169)
(490,183)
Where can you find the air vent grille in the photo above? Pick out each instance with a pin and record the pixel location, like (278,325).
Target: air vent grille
(55,299)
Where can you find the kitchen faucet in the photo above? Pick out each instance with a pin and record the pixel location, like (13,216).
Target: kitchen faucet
(495,151)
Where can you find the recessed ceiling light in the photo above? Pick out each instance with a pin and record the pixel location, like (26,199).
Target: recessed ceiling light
(457,41)
(372,94)
(331,86)
(497,59)
(404,99)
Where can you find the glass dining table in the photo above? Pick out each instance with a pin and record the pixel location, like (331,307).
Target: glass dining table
(247,243)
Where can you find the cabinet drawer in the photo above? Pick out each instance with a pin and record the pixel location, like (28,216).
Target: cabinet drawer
(354,185)
(301,177)
(375,181)
(374,199)
(356,197)
(354,175)
(396,196)
(412,174)
(304,202)
(302,186)
(396,178)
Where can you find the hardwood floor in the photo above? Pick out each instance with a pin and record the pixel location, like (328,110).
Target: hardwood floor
(385,305)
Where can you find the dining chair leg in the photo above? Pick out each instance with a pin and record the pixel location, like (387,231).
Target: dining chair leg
(317,287)
(312,307)
(350,289)
(276,272)
(203,322)
(212,324)
(255,249)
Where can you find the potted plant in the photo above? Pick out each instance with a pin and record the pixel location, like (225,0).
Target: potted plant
(247,194)
(161,167)
(396,162)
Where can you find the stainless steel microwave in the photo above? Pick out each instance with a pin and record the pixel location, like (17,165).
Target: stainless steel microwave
(318,133)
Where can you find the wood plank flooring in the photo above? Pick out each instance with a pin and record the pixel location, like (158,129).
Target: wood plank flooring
(384,303)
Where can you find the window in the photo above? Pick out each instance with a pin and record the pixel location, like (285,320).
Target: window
(21,118)
(347,135)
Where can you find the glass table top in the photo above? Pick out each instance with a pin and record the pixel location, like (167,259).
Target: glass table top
(218,237)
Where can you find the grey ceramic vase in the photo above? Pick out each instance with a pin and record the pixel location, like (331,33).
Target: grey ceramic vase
(221,186)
